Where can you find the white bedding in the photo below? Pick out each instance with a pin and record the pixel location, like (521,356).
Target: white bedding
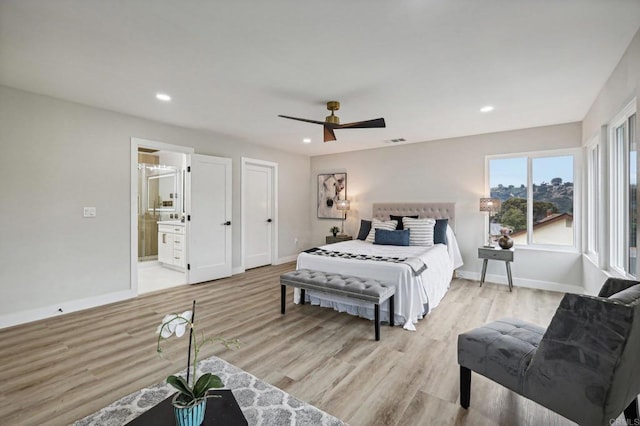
(415,295)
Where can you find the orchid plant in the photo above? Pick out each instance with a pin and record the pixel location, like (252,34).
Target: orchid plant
(190,394)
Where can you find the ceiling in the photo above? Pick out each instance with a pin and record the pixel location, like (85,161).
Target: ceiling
(426,66)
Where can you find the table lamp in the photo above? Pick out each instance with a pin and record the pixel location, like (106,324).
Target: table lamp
(343,206)
(491,205)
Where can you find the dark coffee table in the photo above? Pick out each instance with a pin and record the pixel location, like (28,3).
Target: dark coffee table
(223,410)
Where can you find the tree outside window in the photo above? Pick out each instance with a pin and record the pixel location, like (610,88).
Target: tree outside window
(537,198)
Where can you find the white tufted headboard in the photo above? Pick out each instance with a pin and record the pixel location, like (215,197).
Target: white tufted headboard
(381,211)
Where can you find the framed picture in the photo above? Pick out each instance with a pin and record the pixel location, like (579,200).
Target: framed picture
(331,188)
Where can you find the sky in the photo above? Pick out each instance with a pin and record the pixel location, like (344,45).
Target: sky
(513,171)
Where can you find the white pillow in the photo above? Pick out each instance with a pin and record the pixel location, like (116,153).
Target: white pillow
(389,225)
(421,231)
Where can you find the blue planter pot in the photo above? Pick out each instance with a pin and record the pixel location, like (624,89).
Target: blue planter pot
(190,416)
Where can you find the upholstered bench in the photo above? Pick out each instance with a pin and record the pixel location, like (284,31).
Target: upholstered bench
(366,289)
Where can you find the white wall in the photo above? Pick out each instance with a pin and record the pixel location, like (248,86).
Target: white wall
(621,87)
(55,158)
(452,170)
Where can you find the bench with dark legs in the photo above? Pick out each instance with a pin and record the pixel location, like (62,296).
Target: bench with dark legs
(366,289)
(584,366)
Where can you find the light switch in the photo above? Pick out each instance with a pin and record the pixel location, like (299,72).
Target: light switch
(89,212)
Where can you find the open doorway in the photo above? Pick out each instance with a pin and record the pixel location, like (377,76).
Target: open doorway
(159,199)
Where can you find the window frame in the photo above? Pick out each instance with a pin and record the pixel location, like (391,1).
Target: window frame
(618,165)
(593,196)
(577,155)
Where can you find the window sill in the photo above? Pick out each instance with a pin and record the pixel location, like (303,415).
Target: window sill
(553,249)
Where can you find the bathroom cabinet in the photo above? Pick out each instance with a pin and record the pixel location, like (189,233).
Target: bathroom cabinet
(171,243)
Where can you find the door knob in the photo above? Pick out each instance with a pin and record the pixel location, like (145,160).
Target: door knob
(269,220)
(227,223)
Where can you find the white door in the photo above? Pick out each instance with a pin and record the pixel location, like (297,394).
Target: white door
(258,215)
(209,218)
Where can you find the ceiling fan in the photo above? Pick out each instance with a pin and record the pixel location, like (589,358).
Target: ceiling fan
(332,122)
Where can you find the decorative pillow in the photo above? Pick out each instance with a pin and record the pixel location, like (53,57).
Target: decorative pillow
(421,231)
(365,227)
(392,238)
(440,232)
(389,225)
(627,296)
(399,219)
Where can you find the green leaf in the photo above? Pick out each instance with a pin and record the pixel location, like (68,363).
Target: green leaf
(183,400)
(181,384)
(206,382)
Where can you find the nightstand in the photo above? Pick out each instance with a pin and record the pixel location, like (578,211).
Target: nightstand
(496,254)
(331,239)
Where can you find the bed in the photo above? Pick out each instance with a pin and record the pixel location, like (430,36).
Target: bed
(416,293)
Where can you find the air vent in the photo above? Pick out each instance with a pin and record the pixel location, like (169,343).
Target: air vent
(398,140)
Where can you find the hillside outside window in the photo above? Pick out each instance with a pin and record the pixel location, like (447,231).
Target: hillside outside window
(537,195)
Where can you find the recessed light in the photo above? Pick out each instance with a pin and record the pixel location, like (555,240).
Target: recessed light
(163,97)
(306,140)
(487,108)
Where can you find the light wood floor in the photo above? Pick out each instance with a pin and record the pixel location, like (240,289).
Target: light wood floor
(59,370)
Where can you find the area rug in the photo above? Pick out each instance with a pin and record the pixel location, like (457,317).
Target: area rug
(262,404)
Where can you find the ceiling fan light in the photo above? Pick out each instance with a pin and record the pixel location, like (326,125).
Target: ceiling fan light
(332,119)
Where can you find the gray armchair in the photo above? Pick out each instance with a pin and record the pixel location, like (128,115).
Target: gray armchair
(585,366)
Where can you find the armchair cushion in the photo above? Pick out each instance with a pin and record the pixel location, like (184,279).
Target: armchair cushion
(500,350)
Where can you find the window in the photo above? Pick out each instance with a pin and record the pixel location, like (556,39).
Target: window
(593,198)
(623,188)
(537,195)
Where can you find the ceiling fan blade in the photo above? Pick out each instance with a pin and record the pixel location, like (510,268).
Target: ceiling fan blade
(328,134)
(303,119)
(367,124)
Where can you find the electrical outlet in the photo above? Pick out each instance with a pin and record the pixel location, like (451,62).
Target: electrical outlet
(89,212)
(295,241)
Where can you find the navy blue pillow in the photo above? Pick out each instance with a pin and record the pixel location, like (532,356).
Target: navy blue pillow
(392,238)
(399,219)
(365,227)
(440,232)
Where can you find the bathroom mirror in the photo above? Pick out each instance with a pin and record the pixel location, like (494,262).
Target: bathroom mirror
(162,192)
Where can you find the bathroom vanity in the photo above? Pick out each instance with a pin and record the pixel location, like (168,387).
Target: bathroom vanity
(171,243)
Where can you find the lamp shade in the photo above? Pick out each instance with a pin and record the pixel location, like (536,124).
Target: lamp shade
(490,205)
(343,205)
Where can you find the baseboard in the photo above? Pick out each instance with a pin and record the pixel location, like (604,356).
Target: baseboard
(9,320)
(522,282)
(280,261)
(286,259)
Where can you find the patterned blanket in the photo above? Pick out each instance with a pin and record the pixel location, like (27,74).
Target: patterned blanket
(416,264)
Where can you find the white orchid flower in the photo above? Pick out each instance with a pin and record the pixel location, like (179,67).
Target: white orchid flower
(174,323)
(182,323)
